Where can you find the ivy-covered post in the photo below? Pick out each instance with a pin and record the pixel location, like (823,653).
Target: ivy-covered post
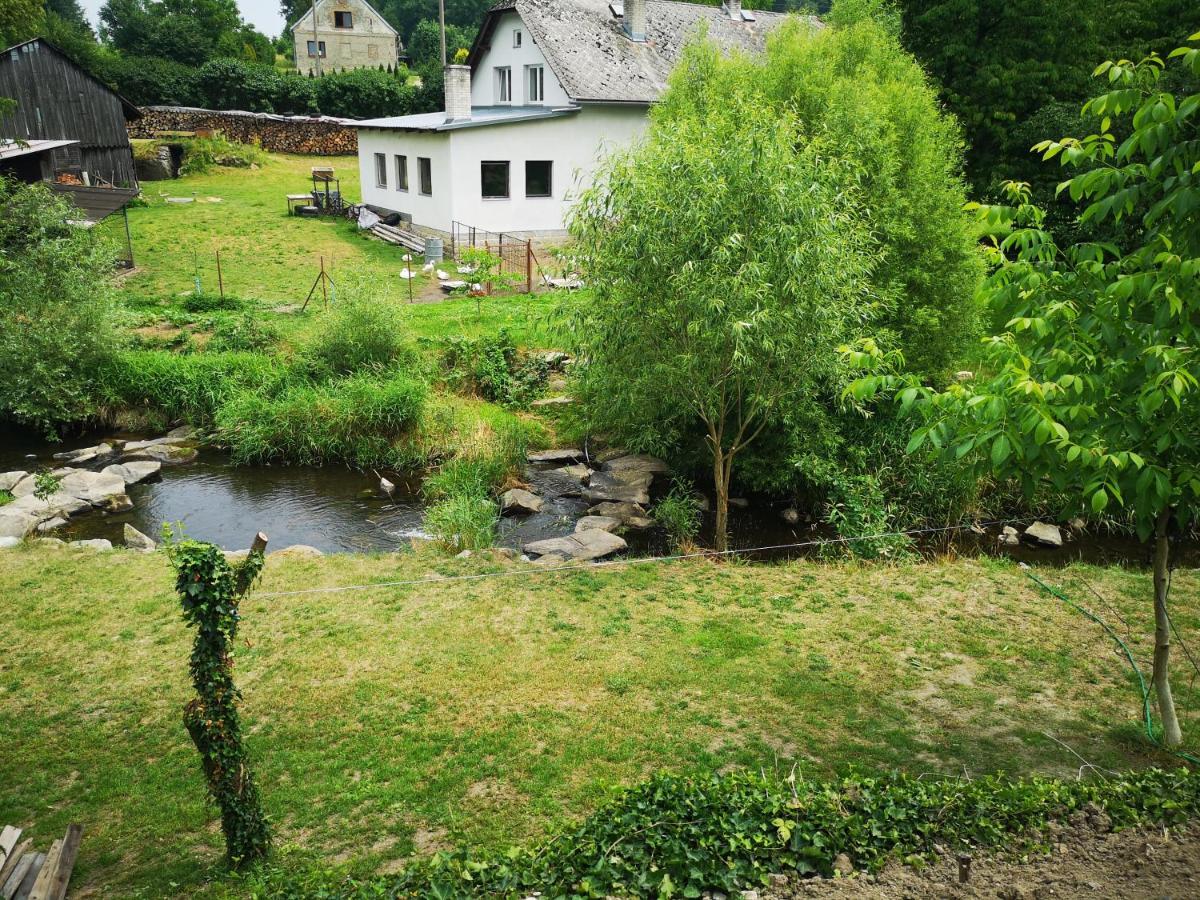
(210,590)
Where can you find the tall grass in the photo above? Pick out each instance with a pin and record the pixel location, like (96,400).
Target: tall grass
(464,522)
(355,420)
(365,331)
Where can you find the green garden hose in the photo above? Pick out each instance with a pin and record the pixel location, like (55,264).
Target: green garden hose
(1149,720)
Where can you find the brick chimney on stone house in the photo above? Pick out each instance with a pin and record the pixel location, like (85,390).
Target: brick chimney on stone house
(633,20)
(458,93)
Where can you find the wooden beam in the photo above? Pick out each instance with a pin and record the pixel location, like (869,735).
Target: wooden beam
(8,839)
(10,887)
(66,862)
(41,885)
(10,863)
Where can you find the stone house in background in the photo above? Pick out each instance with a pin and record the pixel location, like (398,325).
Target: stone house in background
(350,34)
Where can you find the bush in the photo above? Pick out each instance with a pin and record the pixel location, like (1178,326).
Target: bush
(56,309)
(245,334)
(463,522)
(233,84)
(202,303)
(681,836)
(363,94)
(491,368)
(201,154)
(150,81)
(190,387)
(355,421)
(365,331)
(679,515)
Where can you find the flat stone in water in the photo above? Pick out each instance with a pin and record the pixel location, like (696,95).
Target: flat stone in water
(552,456)
(597,523)
(582,546)
(620,488)
(637,463)
(520,502)
(134,471)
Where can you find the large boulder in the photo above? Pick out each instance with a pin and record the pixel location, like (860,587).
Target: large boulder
(619,487)
(16,523)
(1044,535)
(135,540)
(597,523)
(9,480)
(97,488)
(87,455)
(169,454)
(520,502)
(637,464)
(555,456)
(584,545)
(134,471)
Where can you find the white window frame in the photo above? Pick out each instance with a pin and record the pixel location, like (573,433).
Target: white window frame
(504,84)
(425,164)
(381,170)
(402,172)
(535,84)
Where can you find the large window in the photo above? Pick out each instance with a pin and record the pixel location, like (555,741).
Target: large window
(343,20)
(539,178)
(380,170)
(535,84)
(494,176)
(503,84)
(426,175)
(402,173)
(312,48)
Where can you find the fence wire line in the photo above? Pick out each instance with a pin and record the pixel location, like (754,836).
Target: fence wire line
(630,561)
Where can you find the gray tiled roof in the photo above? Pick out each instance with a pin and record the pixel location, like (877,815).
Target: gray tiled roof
(584,44)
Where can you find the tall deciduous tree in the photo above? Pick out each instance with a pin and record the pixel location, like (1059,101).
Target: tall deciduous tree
(727,254)
(1097,384)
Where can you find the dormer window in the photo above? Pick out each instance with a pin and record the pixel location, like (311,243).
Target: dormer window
(343,20)
(518,38)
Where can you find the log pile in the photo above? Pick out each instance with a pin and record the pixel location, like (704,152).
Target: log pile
(314,135)
(26,874)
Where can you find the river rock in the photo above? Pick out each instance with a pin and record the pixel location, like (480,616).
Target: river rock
(134,472)
(87,455)
(100,490)
(135,540)
(296,551)
(1009,537)
(94,544)
(556,360)
(639,523)
(597,523)
(581,546)
(624,512)
(791,516)
(9,480)
(520,502)
(182,433)
(51,524)
(550,560)
(637,463)
(169,454)
(49,542)
(16,523)
(8,543)
(1044,534)
(554,456)
(619,487)
(552,401)
(578,472)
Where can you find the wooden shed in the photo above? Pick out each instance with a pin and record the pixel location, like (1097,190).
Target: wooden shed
(58,101)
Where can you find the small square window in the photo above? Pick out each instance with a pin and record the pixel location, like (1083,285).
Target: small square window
(539,178)
(380,170)
(312,48)
(518,38)
(425,171)
(402,173)
(494,176)
(343,20)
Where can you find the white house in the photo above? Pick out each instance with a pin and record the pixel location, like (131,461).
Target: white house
(548,87)
(349,34)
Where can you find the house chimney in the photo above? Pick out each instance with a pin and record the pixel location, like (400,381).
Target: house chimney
(458,93)
(634,20)
(734,8)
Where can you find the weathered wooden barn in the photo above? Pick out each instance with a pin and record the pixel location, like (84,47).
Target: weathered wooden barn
(68,129)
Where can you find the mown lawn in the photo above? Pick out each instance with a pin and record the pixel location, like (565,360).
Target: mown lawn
(400,720)
(272,259)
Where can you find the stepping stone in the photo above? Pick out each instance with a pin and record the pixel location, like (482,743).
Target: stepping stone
(134,471)
(584,545)
(597,523)
(554,456)
(520,502)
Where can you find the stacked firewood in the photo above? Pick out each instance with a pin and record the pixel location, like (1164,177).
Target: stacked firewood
(315,135)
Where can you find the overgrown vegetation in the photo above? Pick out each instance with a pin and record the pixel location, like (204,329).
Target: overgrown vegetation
(678,514)
(681,836)
(202,154)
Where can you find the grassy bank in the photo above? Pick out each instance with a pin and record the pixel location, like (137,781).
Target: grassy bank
(399,720)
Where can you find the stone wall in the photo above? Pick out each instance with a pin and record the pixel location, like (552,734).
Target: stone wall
(318,136)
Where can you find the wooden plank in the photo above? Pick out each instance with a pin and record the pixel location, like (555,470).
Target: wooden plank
(8,839)
(66,862)
(41,884)
(13,858)
(17,875)
(22,887)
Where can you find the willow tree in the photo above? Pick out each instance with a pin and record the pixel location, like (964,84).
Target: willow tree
(1096,390)
(727,258)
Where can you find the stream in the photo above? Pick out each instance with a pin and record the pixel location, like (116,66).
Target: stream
(339,510)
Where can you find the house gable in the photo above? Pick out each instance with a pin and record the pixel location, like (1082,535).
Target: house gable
(513,56)
(365,19)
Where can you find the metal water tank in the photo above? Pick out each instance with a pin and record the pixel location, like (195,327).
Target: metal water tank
(434,250)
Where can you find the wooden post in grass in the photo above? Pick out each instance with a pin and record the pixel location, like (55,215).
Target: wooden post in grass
(220,277)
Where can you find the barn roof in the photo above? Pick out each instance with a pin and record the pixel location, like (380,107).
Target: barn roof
(132,113)
(584,43)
